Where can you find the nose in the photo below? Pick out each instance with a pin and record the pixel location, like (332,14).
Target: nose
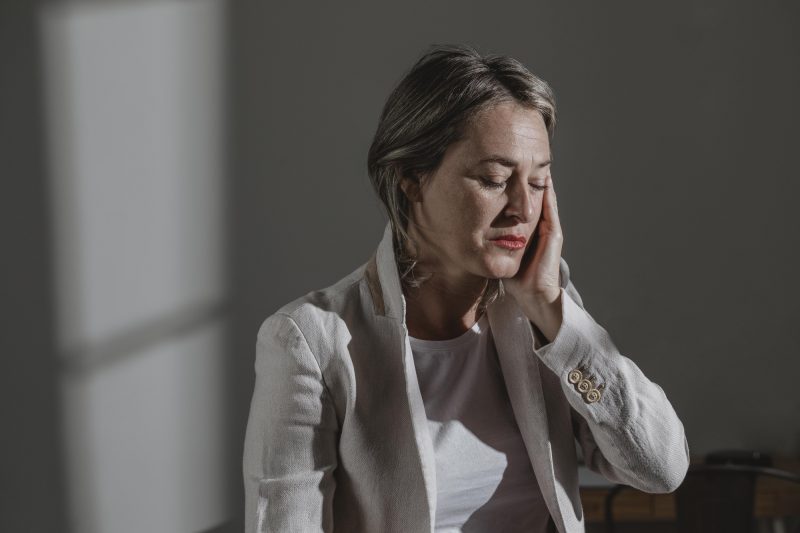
(520,201)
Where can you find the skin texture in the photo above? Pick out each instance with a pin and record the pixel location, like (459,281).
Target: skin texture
(455,212)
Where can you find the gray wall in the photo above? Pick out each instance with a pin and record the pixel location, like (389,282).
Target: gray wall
(675,169)
(114,335)
(30,463)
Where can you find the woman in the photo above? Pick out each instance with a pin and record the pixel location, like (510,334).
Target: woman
(442,385)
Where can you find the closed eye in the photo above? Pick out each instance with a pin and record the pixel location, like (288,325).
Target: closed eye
(488,183)
(491,184)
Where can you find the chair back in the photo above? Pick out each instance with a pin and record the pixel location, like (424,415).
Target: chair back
(716,499)
(720,498)
(713,498)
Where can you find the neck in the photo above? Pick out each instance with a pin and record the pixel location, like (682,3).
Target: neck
(443,308)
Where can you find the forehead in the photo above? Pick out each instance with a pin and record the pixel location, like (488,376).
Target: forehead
(508,130)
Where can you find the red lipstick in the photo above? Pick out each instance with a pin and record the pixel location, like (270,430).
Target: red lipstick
(510,242)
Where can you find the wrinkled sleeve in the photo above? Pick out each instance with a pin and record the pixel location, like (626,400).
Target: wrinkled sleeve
(631,434)
(291,438)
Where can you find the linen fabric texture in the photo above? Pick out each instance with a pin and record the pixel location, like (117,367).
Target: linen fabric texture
(337,436)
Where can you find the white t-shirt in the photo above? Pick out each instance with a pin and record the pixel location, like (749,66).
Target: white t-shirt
(485,482)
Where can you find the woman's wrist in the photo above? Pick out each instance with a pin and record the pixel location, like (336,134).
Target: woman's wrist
(546,315)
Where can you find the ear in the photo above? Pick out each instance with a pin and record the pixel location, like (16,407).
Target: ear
(411,188)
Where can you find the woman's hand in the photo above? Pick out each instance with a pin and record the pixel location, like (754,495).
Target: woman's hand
(536,286)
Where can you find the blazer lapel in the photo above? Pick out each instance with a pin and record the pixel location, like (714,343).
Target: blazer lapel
(514,342)
(384,285)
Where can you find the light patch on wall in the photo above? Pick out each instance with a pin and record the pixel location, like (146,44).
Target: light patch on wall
(134,107)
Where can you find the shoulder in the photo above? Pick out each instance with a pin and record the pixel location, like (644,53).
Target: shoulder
(318,313)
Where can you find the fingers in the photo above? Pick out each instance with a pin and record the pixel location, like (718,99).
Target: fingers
(551,254)
(550,208)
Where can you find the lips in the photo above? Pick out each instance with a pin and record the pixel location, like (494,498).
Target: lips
(510,242)
(512,238)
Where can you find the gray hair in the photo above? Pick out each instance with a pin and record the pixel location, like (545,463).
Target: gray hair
(429,110)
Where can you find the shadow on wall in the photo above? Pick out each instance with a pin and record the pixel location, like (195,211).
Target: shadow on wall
(134,113)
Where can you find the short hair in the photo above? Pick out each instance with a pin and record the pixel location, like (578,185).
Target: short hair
(427,111)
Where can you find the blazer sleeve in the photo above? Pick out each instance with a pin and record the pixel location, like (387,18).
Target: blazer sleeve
(290,448)
(631,435)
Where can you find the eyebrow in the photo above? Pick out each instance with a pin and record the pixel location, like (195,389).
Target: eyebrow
(506,162)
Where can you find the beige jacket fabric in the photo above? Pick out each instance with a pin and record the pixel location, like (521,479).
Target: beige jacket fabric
(337,436)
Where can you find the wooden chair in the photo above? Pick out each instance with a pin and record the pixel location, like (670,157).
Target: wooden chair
(719,498)
(713,498)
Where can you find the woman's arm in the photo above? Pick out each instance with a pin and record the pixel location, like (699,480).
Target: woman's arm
(290,444)
(631,435)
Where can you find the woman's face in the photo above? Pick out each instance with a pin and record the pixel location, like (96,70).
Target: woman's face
(489,184)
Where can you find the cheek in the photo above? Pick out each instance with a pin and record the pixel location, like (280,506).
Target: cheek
(481,206)
(465,210)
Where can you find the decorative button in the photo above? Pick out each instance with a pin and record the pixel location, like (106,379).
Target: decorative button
(584,383)
(592,396)
(575,376)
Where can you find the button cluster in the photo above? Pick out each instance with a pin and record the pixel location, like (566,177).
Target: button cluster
(585,385)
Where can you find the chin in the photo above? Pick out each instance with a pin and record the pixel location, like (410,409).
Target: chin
(505,268)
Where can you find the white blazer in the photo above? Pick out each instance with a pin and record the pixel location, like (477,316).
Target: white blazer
(337,437)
